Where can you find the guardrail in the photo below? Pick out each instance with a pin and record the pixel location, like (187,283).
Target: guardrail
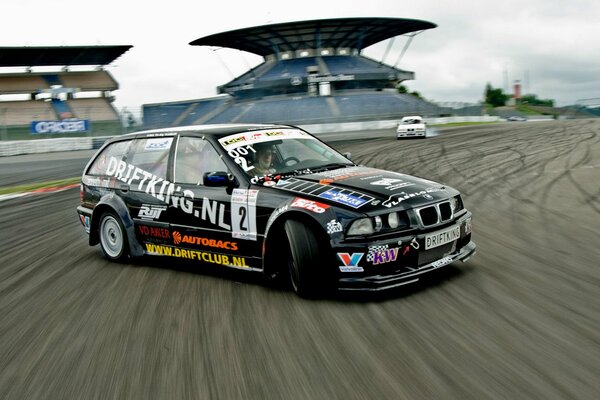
(17,147)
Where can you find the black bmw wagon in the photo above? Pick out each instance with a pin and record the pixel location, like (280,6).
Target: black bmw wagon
(272,199)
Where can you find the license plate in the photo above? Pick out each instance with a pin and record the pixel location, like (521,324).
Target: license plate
(442,237)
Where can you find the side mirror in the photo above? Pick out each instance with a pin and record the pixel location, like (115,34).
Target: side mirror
(348,156)
(216,179)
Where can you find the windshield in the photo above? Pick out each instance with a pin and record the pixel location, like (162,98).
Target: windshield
(280,152)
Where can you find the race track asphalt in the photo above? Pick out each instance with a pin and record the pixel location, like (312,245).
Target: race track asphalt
(518,321)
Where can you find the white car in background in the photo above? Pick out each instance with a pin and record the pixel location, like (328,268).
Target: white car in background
(412,126)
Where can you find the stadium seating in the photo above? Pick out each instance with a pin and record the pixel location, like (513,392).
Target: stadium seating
(89,80)
(22,83)
(19,113)
(94,109)
(294,110)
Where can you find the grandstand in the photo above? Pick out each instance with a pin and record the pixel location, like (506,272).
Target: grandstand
(312,72)
(46,87)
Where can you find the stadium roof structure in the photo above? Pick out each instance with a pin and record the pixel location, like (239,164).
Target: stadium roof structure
(60,55)
(356,33)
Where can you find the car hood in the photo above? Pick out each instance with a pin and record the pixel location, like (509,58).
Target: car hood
(367,189)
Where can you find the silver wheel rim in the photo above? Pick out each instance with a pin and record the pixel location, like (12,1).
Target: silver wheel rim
(111,237)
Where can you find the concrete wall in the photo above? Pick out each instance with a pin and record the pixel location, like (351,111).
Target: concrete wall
(16,147)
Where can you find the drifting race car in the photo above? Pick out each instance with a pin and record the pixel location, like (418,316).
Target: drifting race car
(272,199)
(412,126)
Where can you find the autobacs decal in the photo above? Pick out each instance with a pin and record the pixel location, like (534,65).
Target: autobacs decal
(202,241)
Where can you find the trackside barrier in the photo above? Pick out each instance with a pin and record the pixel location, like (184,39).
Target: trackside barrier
(16,147)
(454,120)
(390,124)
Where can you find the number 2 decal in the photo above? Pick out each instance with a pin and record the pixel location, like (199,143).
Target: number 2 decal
(243,224)
(243,214)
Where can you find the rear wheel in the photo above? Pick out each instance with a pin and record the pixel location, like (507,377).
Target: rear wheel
(304,257)
(113,238)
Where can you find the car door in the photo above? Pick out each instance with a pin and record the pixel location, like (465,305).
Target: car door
(202,224)
(144,188)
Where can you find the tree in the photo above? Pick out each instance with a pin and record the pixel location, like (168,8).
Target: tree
(495,97)
(533,100)
(404,90)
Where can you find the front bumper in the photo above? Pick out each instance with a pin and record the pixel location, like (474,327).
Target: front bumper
(405,275)
(410,134)
(391,262)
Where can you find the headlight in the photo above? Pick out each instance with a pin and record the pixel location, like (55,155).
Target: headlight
(393,220)
(363,226)
(378,223)
(456,204)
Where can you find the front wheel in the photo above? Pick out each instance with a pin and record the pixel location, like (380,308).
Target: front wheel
(304,259)
(113,238)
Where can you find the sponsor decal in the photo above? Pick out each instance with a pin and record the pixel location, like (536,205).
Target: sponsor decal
(309,205)
(441,262)
(375,249)
(442,237)
(248,138)
(334,226)
(398,198)
(85,220)
(385,256)
(65,126)
(391,184)
(340,174)
(344,198)
(243,213)
(150,212)
(96,182)
(202,241)
(159,188)
(163,190)
(202,256)
(158,144)
(155,232)
(277,213)
(386,181)
(350,262)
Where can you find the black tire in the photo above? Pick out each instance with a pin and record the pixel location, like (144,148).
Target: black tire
(113,237)
(304,260)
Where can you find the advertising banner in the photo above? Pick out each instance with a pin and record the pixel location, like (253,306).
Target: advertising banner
(64,126)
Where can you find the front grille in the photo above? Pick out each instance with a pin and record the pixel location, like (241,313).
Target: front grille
(428,215)
(427,256)
(435,214)
(445,211)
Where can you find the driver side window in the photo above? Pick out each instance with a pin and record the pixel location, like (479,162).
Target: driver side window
(194,157)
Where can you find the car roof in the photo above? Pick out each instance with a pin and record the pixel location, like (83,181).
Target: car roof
(216,130)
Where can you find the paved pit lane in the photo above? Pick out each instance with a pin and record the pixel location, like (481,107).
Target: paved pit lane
(518,321)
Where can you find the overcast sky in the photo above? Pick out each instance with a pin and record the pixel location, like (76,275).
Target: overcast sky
(551,46)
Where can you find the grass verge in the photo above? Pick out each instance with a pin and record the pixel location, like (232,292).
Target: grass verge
(39,185)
